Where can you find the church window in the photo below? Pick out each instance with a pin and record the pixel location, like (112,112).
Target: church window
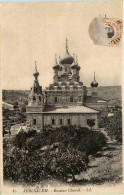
(65,69)
(71,99)
(40,98)
(69,122)
(79,98)
(34,121)
(53,121)
(34,98)
(55,99)
(60,121)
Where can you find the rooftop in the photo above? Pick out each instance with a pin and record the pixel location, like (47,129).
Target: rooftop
(94,99)
(70,109)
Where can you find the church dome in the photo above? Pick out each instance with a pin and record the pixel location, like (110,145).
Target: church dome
(56,67)
(94,83)
(75,64)
(67,58)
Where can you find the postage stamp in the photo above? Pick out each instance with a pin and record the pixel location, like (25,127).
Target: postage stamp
(106,31)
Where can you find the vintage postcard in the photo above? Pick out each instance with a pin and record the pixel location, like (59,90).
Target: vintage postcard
(61,97)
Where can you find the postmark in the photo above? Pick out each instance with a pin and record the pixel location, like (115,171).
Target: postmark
(106,31)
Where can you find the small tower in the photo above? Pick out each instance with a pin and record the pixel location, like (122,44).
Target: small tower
(94,85)
(56,69)
(35,104)
(75,69)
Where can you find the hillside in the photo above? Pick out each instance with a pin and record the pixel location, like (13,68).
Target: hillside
(110,93)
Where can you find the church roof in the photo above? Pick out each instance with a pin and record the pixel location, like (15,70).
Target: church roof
(70,109)
(94,99)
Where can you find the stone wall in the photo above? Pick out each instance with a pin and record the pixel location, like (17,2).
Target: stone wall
(75,119)
(64,97)
(39,120)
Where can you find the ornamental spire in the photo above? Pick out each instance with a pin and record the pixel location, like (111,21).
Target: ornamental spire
(36,73)
(55,58)
(35,65)
(74,56)
(94,76)
(66,45)
(76,59)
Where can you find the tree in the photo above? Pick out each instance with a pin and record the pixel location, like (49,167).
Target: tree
(90,123)
(15,105)
(113,126)
(66,161)
(66,153)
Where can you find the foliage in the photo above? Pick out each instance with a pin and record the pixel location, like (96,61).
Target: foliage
(68,161)
(22,136)
(113,126)
(90,122)
(11,118)
(52,153)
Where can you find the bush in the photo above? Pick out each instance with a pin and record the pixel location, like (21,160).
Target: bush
(113,126)
(20,166)
(22,136)
(66,152)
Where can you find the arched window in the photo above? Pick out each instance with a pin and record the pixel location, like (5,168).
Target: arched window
(60,121)
(79,98)
(34,98)
(55,99)
(69,122)
(40,98)
(34,121)
(53,121)
(71,99)
(65,69)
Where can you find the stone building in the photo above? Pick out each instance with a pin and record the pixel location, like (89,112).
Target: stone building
(65,102)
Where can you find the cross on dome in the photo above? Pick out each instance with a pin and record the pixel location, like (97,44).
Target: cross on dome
(35,65)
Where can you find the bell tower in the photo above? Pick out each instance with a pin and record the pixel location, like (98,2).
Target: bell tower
(35,104)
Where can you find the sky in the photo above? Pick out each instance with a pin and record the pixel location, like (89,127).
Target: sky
(36,31)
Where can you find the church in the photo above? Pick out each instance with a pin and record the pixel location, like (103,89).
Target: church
(64,102)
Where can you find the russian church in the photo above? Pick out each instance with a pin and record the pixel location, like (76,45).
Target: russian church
(64,102)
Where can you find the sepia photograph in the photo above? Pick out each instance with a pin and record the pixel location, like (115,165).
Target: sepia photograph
(62,66)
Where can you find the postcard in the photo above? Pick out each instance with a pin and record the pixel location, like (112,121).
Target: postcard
(61,97)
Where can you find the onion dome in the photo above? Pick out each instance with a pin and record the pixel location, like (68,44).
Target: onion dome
(78,67)
(36,87)
(67,58)
(56,67)
(75,63)
(94,83)
(55,84)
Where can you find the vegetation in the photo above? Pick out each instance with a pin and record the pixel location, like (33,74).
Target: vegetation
(53,153)
(113,126)
(12,118)
(90,123)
